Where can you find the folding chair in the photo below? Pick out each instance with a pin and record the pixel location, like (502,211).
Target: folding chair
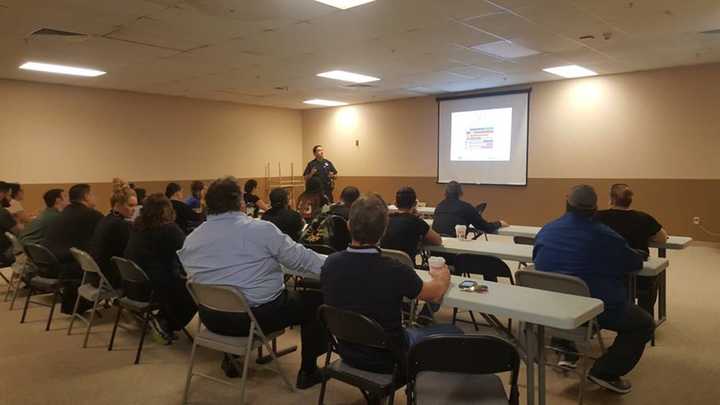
(582,336)
(226,298)
(490,268)
(523,240)
(46,280)
(103,292)
(351,327)
(338,232)
(460,369)
(137,298)
(20,269)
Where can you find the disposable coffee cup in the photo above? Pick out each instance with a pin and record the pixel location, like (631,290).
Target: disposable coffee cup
(461,231)
(436,262)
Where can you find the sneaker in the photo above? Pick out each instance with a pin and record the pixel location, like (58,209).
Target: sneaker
(160,334)
(306,379)
(617,385)
(567,362)
(230,367)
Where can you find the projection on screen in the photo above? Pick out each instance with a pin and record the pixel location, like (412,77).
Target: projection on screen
(482,135)
(483,140)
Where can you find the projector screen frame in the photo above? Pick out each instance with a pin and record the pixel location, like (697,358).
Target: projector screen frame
(527,90)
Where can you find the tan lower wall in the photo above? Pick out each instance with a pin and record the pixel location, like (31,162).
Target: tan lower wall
(672,201)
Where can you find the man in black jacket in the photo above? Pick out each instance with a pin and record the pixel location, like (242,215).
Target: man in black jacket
(453,211)
(73,228)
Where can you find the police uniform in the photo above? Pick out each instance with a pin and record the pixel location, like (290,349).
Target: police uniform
(324,168)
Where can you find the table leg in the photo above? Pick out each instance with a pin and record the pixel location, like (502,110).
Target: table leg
(540,334)
(530,363)
(662,297)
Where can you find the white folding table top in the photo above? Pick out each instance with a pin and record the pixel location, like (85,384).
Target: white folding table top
(540,307)
(673,242)
(421,210)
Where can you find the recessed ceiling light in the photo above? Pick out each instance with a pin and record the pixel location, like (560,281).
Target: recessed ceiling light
(345,4)
(505,49)
(324,103)
(61,69)
(570,71)
(348,76)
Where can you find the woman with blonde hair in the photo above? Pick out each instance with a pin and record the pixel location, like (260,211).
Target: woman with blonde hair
(113,231)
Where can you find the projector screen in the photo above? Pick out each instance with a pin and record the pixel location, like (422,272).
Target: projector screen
(484,139)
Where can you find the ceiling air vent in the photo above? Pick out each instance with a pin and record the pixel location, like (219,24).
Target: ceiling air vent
(49,33)
(358,86)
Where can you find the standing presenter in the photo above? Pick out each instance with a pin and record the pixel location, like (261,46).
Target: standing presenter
(323,169)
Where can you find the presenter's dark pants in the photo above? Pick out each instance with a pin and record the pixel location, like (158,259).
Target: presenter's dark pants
(290,308)
(634,327)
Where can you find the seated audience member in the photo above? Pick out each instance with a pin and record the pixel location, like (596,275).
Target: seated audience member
(361,280)
(638,228)
(113,231)
(73,228)
(185,217)
(347,197)
(233,249)
(253,203)
(17,195)
(311,202)
(196,190)
(405,227)
(7,224)
(453,211)
(154,240)
(55,202)
(140,193)
(578,245)
(289,221)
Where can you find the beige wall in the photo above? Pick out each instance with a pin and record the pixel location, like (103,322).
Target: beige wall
(64,134)
(656,124)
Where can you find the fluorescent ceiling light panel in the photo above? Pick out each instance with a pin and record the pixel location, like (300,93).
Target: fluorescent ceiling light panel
(348,76)
(344,4)
(570,71)
(505,49)
(61,69)
(324,103)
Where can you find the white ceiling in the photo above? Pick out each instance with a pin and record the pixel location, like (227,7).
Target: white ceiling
(268,51)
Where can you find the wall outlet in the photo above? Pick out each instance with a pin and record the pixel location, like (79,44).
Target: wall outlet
(696,220)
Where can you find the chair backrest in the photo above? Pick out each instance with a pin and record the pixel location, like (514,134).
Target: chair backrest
(218,297)
(490,267)
(16,244)
(352,327)
(523,240)
(322,249)
(89,265)
(43,259)
(338,232)
(136,284)
(467,354)
(561,283)
(399,255)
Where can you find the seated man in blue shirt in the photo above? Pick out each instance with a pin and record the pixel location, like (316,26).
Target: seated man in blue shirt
(233,249)
(362,280)
(578,245)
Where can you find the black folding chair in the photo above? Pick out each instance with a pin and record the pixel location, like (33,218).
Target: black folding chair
(45,281)
(353,328)
(490,268)
(460,369)
(138,298)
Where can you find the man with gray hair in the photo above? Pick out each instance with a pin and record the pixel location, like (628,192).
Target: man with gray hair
(578,245)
